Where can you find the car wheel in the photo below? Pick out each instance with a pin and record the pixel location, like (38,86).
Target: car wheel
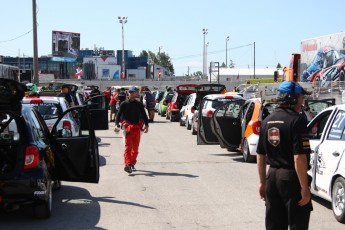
(43,210)
(181,122)
(188,125)
(246,152)
(192,128)
(57,185)
(338,199)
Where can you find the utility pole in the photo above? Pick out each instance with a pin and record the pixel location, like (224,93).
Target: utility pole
(34,25)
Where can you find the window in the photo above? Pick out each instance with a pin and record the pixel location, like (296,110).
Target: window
(338,127)
(8,129)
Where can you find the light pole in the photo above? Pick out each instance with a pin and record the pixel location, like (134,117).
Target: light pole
(123,20)
(206,58)
(204,31)
(226,51)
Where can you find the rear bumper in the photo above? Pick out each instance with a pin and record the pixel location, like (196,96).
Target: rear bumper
(23,192)
(175,114)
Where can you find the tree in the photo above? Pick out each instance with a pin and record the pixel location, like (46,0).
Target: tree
(279,66)
(161,59)
(223,65)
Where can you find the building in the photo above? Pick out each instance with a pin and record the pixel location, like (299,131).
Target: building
(97,64)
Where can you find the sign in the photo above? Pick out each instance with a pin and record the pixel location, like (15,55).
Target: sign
(65,44)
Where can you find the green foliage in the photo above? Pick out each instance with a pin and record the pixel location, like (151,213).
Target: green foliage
(161,59)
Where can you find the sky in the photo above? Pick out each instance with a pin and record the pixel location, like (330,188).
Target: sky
(175,27)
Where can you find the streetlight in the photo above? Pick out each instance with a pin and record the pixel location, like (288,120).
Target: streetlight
(123,20)
(204,31)
(226,51)
(206,56)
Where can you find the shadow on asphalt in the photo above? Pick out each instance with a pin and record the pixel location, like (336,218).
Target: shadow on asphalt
(153,174)
(73,208)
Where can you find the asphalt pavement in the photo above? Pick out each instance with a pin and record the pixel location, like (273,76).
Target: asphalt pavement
(177,185)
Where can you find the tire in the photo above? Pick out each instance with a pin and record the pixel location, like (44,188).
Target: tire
(181,122)
(43,210)
(188,125)
(192,129)
(246,153)
(57,185)
(338,199)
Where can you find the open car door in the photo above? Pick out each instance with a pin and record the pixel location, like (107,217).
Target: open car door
(77,156)
(226,124)
(316,106)
(98,108)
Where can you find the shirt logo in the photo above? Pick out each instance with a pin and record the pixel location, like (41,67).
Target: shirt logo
(274,136)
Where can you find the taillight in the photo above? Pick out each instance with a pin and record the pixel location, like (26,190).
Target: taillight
(209,113)
(192,109)
(36,101)
(256,127)
(175,106)
(66,125)
(32,157)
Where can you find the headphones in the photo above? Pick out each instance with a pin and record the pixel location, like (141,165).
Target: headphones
(290,98)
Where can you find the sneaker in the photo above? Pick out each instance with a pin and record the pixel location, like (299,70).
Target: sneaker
(133,169)
(128,168)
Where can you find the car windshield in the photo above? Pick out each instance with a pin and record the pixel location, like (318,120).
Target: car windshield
(48,110)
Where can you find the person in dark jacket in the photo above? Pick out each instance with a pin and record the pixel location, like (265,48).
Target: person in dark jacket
(284,146)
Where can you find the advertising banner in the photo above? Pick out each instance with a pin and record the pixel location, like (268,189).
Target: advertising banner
(323,59)
(65,44)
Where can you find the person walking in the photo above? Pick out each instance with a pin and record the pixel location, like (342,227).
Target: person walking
(133,118)
(65,92)
(112,105)
(284,145)
(150,103)
(121,96)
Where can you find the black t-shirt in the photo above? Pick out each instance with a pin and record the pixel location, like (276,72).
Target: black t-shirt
(67,97)
(282,135)
(132,111)
(122,97)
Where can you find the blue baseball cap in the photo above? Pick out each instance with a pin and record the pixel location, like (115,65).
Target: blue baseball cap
(133,89)
(289,87)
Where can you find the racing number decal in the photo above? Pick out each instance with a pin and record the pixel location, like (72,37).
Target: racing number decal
(273,136)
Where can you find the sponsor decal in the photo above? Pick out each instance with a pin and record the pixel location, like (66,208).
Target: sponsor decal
(273,136)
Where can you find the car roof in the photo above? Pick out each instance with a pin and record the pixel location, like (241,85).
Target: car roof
(45,99)
(217,96)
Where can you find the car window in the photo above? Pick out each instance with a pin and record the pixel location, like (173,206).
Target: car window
(337,131)
(48,110)
(318,125)
(8,129)
(233,109)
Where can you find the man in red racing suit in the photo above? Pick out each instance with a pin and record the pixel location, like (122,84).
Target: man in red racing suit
(132,115)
